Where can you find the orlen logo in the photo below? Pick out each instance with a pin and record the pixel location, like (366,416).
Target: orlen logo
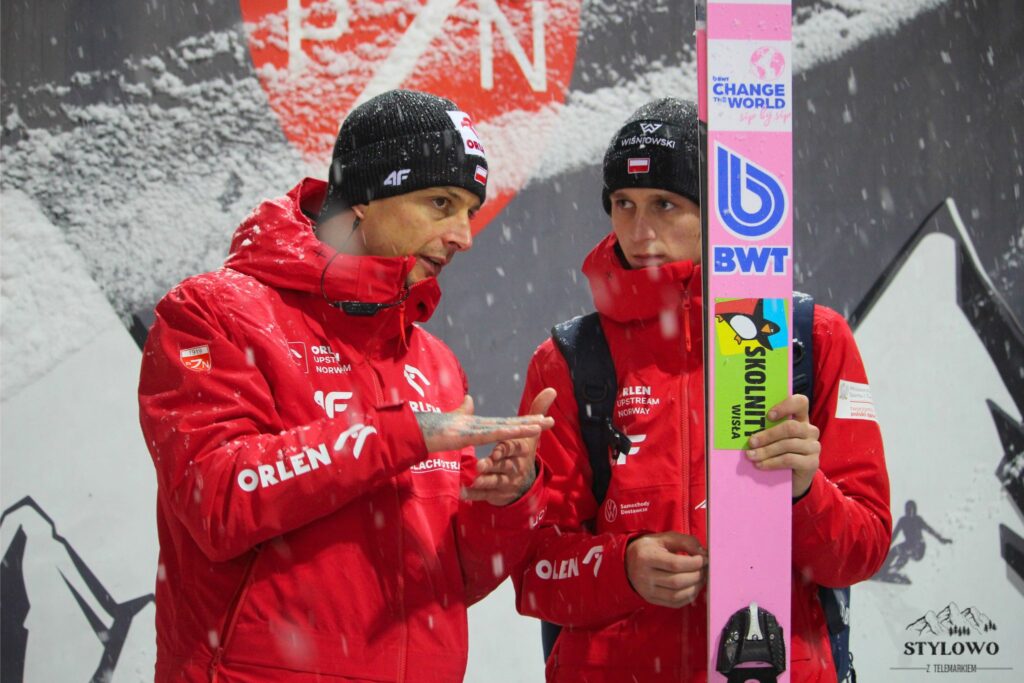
(359,433)
(297,350)
(296,465)
(333,402)
(318,59)
(470,140)
(569,568)
(751,202)
(413,376)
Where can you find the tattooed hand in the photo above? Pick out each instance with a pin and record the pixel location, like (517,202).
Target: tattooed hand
(461,428)
(509,471)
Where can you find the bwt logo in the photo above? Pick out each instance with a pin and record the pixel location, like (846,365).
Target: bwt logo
(751,202)
(333,403)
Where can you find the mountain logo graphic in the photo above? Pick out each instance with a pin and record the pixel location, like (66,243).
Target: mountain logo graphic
(951,621)
(69,587)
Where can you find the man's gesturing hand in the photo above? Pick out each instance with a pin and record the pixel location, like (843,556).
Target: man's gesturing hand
(660,574)
(508,472)
(461,428)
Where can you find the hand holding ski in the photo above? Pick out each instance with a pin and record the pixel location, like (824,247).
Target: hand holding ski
(667,569)
(792,444)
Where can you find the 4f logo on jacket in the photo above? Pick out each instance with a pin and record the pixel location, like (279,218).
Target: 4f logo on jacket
(333,402)
(413,376)
(634,449)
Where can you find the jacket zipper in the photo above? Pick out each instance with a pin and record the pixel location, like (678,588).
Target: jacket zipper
(400,584)
(232,616)
(685,449)
(686,320)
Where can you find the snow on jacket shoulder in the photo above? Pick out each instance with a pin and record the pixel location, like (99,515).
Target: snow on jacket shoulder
(652,319)
(304,530)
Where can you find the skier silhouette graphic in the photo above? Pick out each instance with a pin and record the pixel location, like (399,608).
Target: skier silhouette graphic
(912,546)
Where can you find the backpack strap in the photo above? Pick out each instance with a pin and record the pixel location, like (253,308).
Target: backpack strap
(835,602)
(803,345)
(585,349)
(583,344)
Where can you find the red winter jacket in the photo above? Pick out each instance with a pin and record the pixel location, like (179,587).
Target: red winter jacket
(841,528)
(304,531)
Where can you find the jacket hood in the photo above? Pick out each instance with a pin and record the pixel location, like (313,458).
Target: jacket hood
(277,246)
(627,295)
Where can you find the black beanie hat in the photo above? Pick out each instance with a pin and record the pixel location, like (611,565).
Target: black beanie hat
(656,148)
(399,142)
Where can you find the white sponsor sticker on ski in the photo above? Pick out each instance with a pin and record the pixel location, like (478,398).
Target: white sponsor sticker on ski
(855,402)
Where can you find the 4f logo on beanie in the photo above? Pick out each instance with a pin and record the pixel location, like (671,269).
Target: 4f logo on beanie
(397,177)
(470,140)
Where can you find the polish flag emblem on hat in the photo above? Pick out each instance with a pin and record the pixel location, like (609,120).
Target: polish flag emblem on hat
(197,358)
(638,165)
(481,175)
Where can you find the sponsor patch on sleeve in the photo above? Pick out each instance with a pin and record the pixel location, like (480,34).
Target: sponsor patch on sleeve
(855,402)
(197,358)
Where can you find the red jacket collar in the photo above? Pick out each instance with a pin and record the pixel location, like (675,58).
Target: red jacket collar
(626,295)
(277,246)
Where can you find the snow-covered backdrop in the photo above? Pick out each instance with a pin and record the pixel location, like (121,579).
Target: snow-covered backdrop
(135,136)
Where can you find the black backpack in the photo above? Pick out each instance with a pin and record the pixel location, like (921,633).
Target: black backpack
(583,344)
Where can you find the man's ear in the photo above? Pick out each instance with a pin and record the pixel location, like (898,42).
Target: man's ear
(360,211)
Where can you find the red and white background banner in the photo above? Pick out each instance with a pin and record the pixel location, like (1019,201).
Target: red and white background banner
(135,136)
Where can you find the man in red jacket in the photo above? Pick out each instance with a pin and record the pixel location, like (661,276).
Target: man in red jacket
(320,510)
(640,614)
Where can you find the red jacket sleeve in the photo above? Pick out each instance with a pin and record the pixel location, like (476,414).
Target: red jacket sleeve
(492,539)
(570,576)
(843,526)
(216,436)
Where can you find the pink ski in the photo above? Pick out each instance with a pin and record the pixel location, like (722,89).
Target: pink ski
(745,96)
